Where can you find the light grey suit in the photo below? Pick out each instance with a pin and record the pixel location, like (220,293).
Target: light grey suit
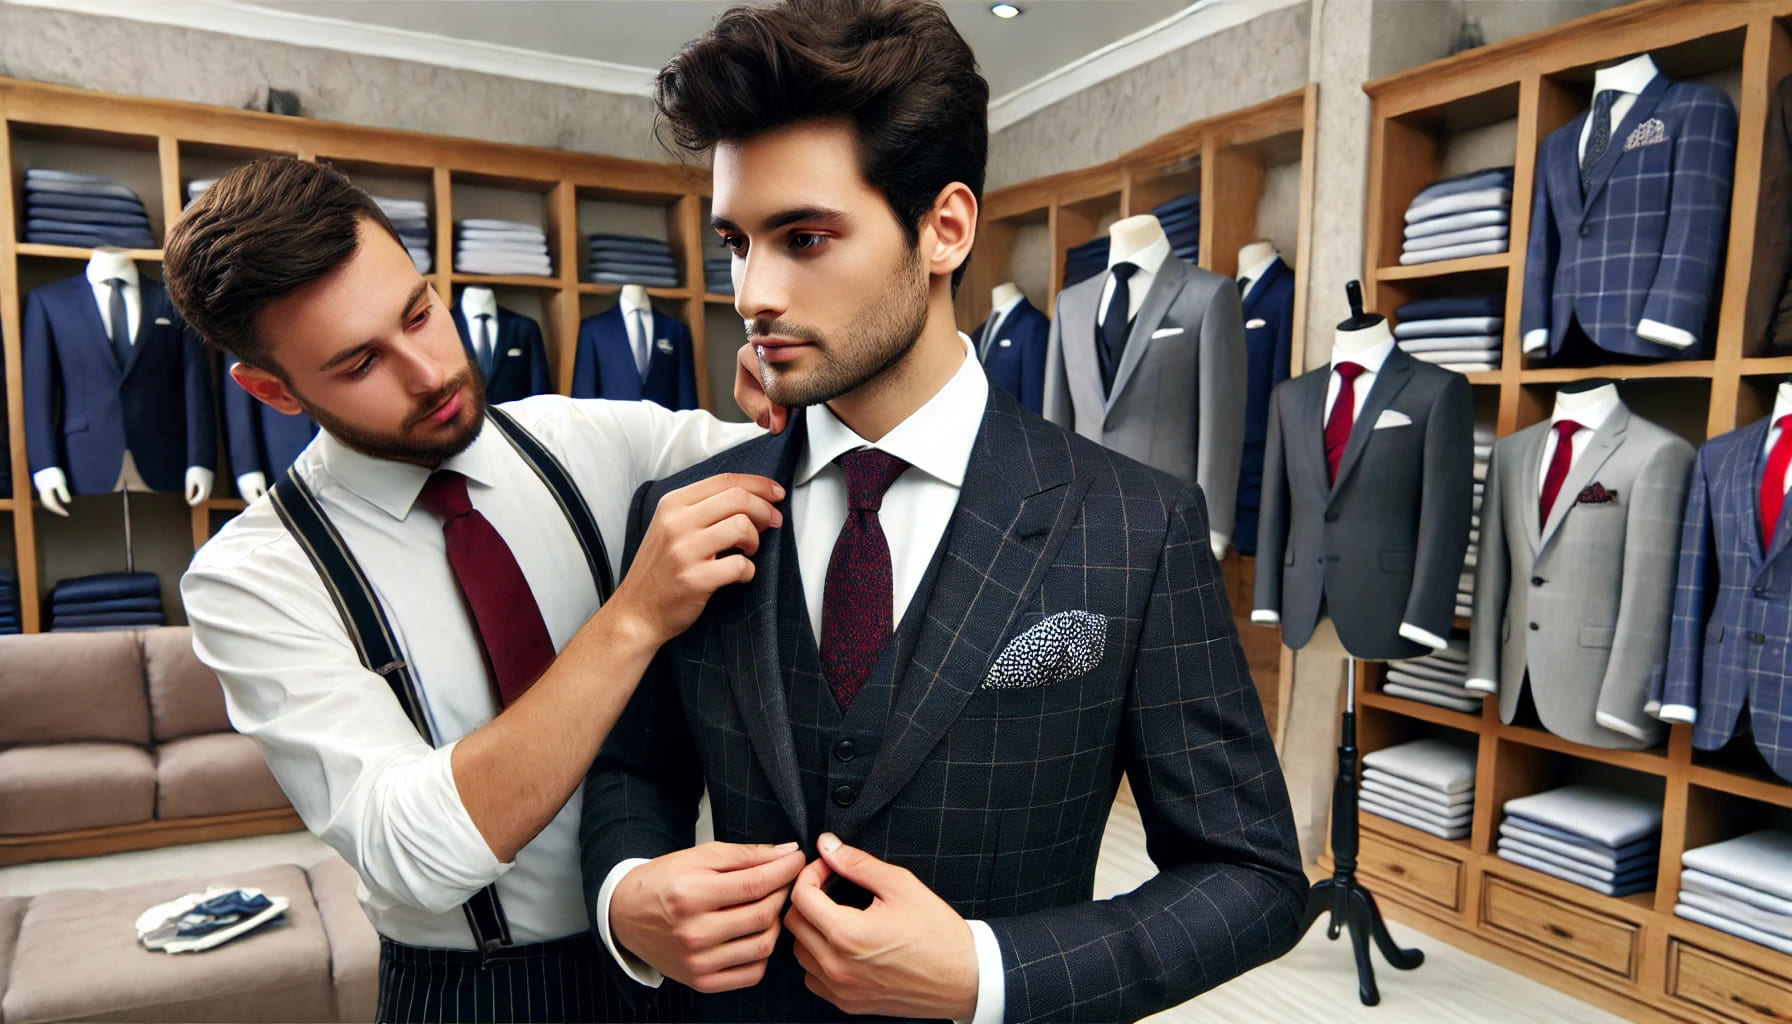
(1179,391)
(1583,601)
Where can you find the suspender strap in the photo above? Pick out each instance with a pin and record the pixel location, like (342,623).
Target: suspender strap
(572,503)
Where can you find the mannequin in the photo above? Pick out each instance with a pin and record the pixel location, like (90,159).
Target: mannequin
(634,297)
(476,302)
(1255,258)
(51,482)
(1003,296)
(1129,241)
(252,485)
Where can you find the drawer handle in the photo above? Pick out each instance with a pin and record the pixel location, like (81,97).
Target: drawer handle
(1395,869)
(1756,1007)
(1559,932)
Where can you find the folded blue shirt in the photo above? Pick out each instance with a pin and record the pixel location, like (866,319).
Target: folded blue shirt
(1449,308)
(1490,177)
(107,585)
(67,214)
(96,606)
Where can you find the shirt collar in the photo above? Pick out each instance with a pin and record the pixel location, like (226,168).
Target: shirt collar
(1592,415)
(1149,260)
(101,269)
(1371,361)
(1782,404)
(936,438)
(393,486)
(1632,76)
(473,304)
(1256,274)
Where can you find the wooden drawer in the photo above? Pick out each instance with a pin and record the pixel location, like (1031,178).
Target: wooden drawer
(1426,875)
(1726,987)
(1604,942)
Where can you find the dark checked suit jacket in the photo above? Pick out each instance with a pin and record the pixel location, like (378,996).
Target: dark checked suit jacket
(996,797)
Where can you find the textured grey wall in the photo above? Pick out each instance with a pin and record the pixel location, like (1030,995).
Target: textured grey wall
(140,59)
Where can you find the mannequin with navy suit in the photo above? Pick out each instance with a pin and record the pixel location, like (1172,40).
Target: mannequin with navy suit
(616,360)
(118,397)
(262,440)
(512,360)
(1011,345)
(1267,286)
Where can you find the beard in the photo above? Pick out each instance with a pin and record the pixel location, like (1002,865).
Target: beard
(879,335)
(402,447)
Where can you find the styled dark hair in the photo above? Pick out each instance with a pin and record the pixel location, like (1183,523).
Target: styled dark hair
(263,231)
(896,69)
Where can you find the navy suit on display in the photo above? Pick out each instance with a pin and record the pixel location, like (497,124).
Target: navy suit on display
(262,439)
(1646,241)
(1015,358)
(83,410)
(1269,341)
(605,364)
(518,367)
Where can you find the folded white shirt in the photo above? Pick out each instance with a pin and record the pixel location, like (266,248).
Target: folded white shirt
(1455,355)
(1733,927)
(503,266)
(1461,202)
(1624,886)
(492,224)
(1483,345)
(1434,763)
(1454,252)
(1425,812)
(1760,860)
(1462,705)
(1593,857)
(1447,675)
(1736,910)
(1468,367)
(1450,238)
(479,245)
(1603,816)
(1455,325)
(1447,803)
(1457,222)
(1699,881)
(1414,821)
(1454,690)
(1604,874)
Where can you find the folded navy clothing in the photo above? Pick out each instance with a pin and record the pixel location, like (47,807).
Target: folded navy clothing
(116,619)
(69,201)
(109,190)
(1180,222)
(71,214)
(628,241)
(1490,177)
(1444,309)
(102,586)
(99,606)
(88,241)
(612,277)
(70,227)
(1189,202)
(633,259)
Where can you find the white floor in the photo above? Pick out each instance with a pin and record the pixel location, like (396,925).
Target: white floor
(1314,983)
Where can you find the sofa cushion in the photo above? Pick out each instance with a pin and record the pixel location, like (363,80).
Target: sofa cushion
(67,786)
(185,698)
(354,945)
(220,773)
(72,687)
(79,959)
(12,914)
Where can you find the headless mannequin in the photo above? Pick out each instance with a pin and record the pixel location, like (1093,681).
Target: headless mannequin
(1256,258)
(476,302)
(1003,297)
(51,482)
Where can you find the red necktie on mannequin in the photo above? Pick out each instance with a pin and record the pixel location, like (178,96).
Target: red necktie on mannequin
(1343,416)
(1773,481)
(1558,467)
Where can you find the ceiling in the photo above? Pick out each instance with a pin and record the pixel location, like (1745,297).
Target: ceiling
(643,33)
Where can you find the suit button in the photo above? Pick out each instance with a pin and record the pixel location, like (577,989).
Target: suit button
(1331,517)
(1536,581)
(845,751)
(1761,592)
(1757,638)
(844,796)
(1585,231)
(1535,627)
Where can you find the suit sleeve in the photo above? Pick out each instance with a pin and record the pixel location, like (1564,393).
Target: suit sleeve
(584,365)
(1446,504)
(1541,253)
(1219,451)
(202,407)
(1055,396)
(1272,513)
(1284,354)
(687,369)
(1493,574)
(1032,368)
(539,381)
(1698,216)
(1692,598)
(240,427)
(1229,893)
(43,380)
(1646,594)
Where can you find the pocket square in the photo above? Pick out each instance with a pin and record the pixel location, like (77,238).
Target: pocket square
(1059,647)
(514,352)
(1005,343)
(1253,324)
(162,321)
(1649,133)
(1392,418)
(665,345)
(1166,332)
(1596,494)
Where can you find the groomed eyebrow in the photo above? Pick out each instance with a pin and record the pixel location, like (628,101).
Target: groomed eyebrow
(785,218)
(350,354)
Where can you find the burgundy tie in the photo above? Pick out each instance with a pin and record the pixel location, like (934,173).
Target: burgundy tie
(1343,415)
(512,635)
(856,601)
(1558,467)
(1773,481)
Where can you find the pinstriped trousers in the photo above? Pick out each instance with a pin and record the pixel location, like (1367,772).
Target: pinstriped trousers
(546,983)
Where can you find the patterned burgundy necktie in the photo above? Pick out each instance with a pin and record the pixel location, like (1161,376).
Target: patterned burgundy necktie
(512,635)
(856,601)
(1342,418)
(1773,481)
(1558,467)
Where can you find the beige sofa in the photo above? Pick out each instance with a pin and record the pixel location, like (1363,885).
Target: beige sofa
(118,740)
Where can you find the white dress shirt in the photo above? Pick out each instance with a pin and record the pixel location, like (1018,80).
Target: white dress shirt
(1149,260)
(353,765)
(101,269)
(1628,80)
(1255,275)
(936,442)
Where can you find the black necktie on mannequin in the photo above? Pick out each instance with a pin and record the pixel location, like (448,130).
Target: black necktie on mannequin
(484,345)
(121,326)
(1111,338)
(1599,137)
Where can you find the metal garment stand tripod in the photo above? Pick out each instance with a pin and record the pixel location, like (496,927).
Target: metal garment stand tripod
(1342,895)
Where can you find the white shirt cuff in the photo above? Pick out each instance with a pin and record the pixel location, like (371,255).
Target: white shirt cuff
(1536,341)
(1483,685)
(631,965)
(1610,721)
(1419,636)
(1678,713)
(1219,541)
(992,995)
(1664,334)
(1265,617)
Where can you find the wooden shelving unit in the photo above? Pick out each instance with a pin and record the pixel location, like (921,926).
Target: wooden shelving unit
(1630,955)
(157,146)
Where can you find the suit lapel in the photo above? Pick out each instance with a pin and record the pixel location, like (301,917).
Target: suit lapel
(751,640)
(1606,440)
(1782,531)
(1563,169)
(1310,427)
(89,303)
(1261,288)
(1530,465)
(1018,503)
(1392,376)
(1165,286)
(1077,306)
(1640,111)
(149,306)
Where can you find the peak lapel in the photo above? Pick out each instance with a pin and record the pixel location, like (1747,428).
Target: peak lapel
(1605,441)
(1528,470)
(1165,286)
(1394,374)
(1640,111)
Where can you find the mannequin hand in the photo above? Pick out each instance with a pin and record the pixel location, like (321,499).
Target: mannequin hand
(252,486)
(199,484)
(52,489)
(749,393)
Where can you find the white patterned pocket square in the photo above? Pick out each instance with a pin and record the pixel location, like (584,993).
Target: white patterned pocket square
(1392,418)
(1059,647)
(1649,133)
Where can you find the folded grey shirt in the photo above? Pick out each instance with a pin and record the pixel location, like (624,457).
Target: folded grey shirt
(1624,886)
(1605,874)
(1450,802)
(1422,824)
(1449,238)
(1455,326)
(1733,927)
(1403,798)
(1736,910)
(1602,859)
(1385,802)
(1433,763)
(1454,252)
(1461,202)
(1457,222)
(1760,860)
(1698,881)
(1603,816)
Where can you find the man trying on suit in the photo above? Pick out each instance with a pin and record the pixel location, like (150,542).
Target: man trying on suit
(974,625)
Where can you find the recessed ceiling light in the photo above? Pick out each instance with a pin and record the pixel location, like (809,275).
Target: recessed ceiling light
(1004,10)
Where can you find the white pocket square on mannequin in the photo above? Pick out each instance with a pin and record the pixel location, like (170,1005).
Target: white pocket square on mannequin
(514,352)
(1392,418)
(1251,325)
(1059,647)
(1166,332)
(162,321)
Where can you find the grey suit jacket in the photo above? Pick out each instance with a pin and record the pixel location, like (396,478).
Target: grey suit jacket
(1179,392)
(1583,601)
(1385,544)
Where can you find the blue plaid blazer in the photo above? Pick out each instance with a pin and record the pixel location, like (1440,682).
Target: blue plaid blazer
(1731,640)
(1646,242)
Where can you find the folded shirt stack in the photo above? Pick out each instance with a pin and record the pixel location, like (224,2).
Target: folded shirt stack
(9,602)
(486,246)
(84,210)
(1457,334)
(632,259)
(410,218)
(1469,215)
(1428,784)
(1465,586)
(1597,838)
(113,600)
(1085,261)
(1181,221)
(1436,679)
(1741,886)
(718,275)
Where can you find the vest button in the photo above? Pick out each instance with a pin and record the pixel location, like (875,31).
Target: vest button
(1757,638)
(1536,581)
(845,751)
(1585,231)
(1535,627)
(844,796)
(1331,517)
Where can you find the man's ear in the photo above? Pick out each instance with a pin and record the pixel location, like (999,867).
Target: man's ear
(950,229)
(267,387)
